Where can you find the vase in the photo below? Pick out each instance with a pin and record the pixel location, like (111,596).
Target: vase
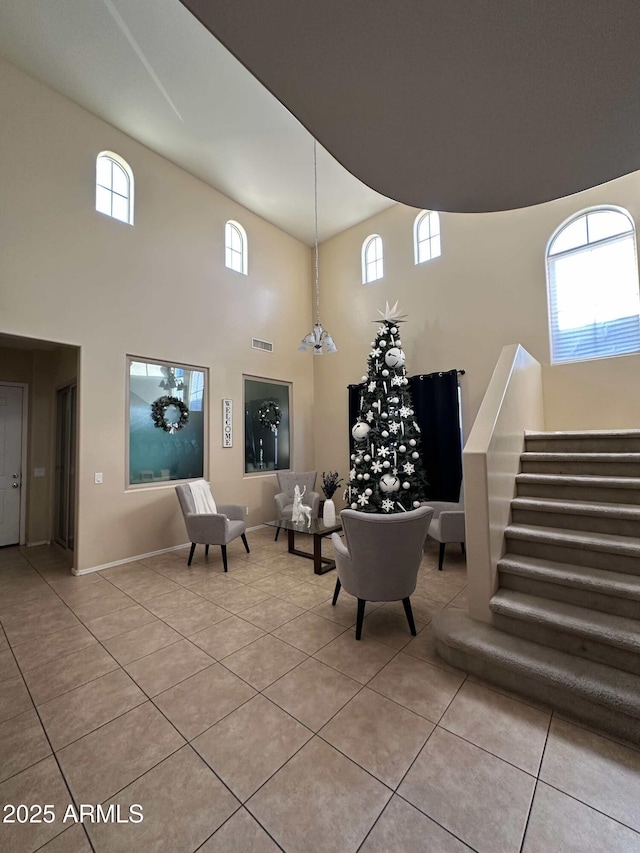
(329,513)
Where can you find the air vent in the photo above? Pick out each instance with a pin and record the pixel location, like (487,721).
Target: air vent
(266,346)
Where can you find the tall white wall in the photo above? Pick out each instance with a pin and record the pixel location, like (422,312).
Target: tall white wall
(157,290)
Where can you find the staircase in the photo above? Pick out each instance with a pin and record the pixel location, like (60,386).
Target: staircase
(566,617)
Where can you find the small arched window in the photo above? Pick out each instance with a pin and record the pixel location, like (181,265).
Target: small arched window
(235,247)
(426,236)
(592,281)
(372,259)
(114,187)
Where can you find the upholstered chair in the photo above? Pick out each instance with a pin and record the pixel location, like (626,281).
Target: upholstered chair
(381,557)
(219,528)
(287,481)
(447,525)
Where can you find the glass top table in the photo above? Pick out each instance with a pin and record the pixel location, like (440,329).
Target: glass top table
(318,529)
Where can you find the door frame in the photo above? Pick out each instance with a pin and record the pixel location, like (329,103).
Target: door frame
(23,461)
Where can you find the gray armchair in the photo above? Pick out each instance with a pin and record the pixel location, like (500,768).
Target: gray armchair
(381,558)
(220,528)
(287,481)
(447,525)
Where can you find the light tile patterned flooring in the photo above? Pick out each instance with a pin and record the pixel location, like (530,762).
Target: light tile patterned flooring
(243,716)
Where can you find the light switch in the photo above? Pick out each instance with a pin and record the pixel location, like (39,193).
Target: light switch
(38,472)
(97,479)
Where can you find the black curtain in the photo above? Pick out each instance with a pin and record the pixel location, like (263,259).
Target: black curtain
(436,404)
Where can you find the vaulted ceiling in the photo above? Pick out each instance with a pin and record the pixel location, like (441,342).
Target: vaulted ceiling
(458,105)
(149,68)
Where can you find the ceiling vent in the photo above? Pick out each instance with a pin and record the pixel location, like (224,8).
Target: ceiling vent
(265,346)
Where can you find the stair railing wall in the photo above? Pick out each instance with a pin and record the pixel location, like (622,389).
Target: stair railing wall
(512,404)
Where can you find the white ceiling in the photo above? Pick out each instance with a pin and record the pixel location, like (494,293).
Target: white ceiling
(152,70)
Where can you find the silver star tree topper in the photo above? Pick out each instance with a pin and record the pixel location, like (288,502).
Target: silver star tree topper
(392,315)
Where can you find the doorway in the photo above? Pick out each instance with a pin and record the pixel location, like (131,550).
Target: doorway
(41,369)
(12,455)
(65,469)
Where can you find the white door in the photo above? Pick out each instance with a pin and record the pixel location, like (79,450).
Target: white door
(10,463)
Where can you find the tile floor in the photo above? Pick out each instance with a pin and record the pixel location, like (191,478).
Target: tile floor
(241,714)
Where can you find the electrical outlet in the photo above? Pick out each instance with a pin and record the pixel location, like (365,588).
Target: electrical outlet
(97,479)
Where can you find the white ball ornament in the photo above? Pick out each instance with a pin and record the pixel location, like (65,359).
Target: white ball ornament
(354,505)
(386,464)
(389,483)
(394,357)
(416,504)
(415,455)
(394,330)
(405,381)
(363,378)
(384,416)
(382,344)
(406,485)
(412,442)
(402,449)
(398,342)
(385,372)
(360,476)
(368,492)
(366,476)
(353,457)
(367,458)
(385,434)
(360,431)
(373,343)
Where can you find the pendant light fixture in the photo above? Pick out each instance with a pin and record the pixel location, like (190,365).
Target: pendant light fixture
(318,340)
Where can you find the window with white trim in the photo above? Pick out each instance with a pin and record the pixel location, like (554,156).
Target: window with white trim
(235,247)
(114,187)
(372,259)
(426,236)
(592,281)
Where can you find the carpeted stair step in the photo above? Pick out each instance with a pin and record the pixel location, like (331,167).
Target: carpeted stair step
(601,637)
(594,693)
(619,519)
(580,441)
(598,589)
(625,490)
(598,550)
(605,464)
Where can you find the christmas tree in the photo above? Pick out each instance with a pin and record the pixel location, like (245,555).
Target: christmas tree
(386,473)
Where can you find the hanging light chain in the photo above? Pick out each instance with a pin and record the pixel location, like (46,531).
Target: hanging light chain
(315,200)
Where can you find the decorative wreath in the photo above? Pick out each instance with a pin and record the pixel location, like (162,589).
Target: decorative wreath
(158,411)
(269,414)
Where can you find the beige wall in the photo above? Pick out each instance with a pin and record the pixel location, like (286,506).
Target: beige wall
(487,290)
(158,289)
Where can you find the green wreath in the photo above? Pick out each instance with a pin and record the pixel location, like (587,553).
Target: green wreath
(269,414)
(158,413)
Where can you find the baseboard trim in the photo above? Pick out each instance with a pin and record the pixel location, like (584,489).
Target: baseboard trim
(132,559)
(40,542)
(91,569)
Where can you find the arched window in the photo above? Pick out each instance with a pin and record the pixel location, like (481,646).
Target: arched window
(372,259)
(592,280)
(114,187)
(235,247)
(426,236)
